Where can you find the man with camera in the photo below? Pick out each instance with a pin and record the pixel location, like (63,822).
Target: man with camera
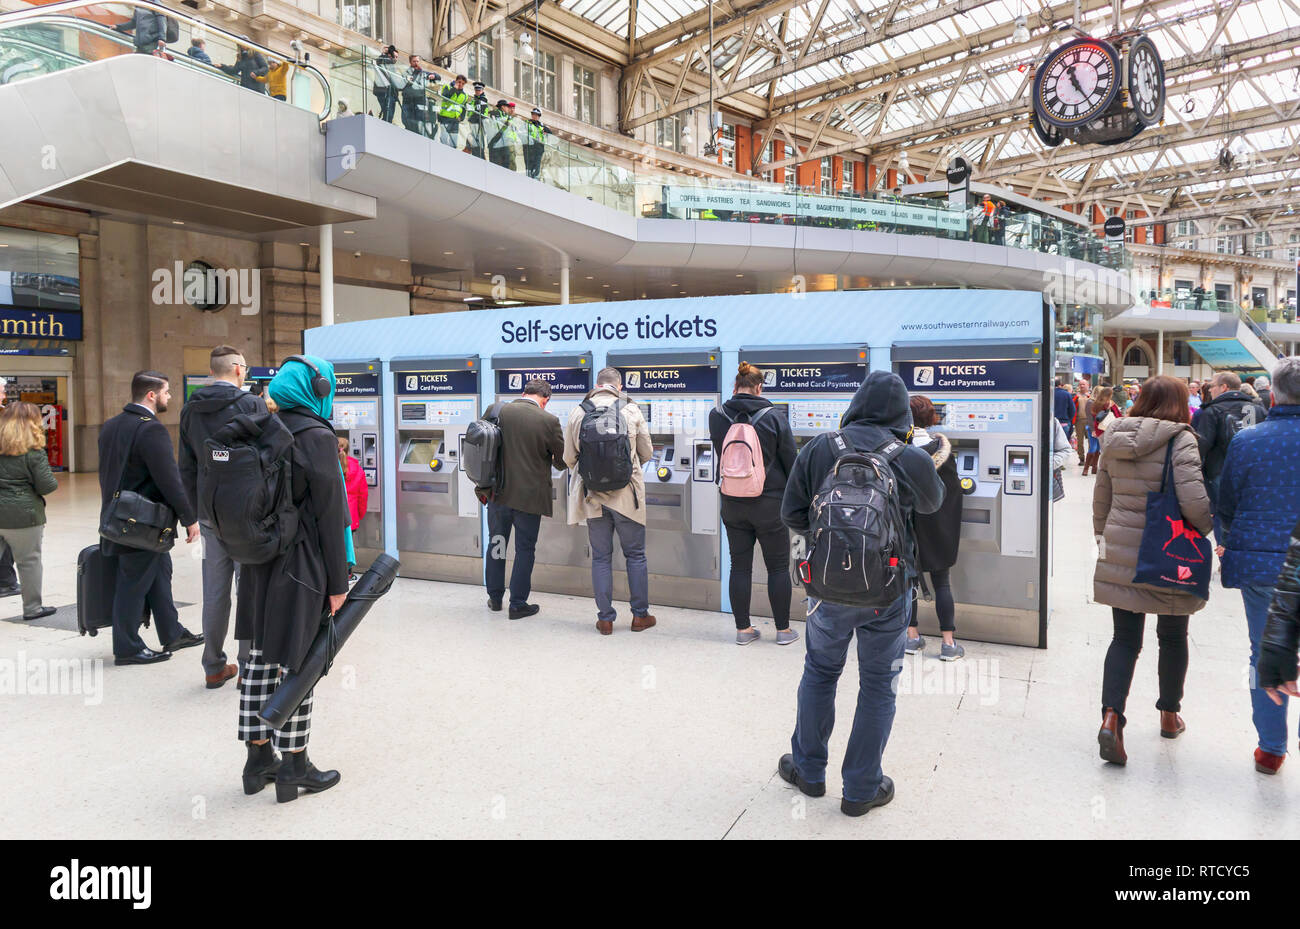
(136,466)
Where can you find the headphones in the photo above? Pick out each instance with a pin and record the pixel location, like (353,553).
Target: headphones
(320,384)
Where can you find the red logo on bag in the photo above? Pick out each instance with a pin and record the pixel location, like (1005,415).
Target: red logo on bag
(1181,530)
(1184,572)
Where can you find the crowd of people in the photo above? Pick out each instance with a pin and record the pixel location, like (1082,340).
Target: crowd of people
(1216,452)
(1225,449)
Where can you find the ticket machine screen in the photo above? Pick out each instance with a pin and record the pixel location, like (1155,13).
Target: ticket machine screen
(422,451)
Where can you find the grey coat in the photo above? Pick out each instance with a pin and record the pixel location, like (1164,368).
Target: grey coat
(1131,465)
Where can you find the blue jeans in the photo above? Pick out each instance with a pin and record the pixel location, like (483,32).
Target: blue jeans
(631,538)
(1269,718)
(501,519)
(881,634)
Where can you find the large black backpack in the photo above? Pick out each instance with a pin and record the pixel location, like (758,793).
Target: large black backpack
(604,447)
(480,454)
(246,486)
(858,532)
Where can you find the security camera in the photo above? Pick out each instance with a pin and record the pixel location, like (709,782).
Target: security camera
(295,46)
(356,254)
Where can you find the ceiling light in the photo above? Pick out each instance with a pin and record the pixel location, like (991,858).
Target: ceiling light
(304,244)
(525,45)
(349,232)
(449,253)
(177,222)
(1022,30)
(471,299)
(407,260)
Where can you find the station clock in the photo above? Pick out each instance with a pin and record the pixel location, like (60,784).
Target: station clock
(1077,83)
(1146,81)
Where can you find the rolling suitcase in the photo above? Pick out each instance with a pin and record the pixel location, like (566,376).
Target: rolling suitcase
(96,584)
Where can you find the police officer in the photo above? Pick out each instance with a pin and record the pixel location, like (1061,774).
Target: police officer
(415,104)
(535,144)
(452,109)
(502,135)
(479,109)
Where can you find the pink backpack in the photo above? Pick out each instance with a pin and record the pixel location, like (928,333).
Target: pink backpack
(743,473)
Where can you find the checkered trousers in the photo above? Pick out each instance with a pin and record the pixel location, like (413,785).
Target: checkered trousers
(260,681)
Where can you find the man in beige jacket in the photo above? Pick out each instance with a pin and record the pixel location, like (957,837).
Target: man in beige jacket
(621,511)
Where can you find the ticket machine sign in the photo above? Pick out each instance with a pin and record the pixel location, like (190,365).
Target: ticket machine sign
(560,380)
(670,379)
(356,385)
(437,382)
(832,377)
(982,376)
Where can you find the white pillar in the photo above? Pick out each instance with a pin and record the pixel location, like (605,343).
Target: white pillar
(564,279)
(327,275)
(1160,351)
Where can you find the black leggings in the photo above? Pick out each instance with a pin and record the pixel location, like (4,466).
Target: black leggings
(1122,656)
(758,520)
(941,587)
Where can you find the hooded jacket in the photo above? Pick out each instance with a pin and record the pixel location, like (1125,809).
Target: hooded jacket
(774,439)
(1259,498)
(207,410)
(877,414)
(1214,431)
(1131,466)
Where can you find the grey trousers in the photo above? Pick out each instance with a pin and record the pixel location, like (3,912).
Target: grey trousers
(631,538)
(218,572)
(26,547)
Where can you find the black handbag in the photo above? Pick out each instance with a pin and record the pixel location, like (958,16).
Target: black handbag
(1058,485)
(134,520)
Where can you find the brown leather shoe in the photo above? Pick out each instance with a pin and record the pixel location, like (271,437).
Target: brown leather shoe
(605,626)
(1171,725)
(1111,738)
(1267,762)
(213,681)
(642,622)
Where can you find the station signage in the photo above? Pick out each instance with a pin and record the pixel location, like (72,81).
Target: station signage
(679,379)
(983,376)
(561,380)
(49,325)
(365,384)
(779,203)
(436,382)
(835,377)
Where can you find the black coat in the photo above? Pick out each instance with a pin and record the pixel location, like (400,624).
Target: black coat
(248,68)
(147,28)
(149,467)
(938,534)
(209,409)
(774,439)
(1213,432)
(281,603)
(531,444)
(878,412)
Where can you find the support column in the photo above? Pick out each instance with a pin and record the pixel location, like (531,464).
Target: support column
(564,278)
(327,275)
(1160,351)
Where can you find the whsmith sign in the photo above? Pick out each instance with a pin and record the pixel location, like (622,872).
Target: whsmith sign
(40,324)
(784,204)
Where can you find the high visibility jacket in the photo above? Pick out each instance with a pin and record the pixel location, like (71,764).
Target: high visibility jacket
(453,103)
(479,108)
(708,214)
(536,132)
(504,125)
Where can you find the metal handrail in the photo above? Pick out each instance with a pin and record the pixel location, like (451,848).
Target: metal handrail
(52,13)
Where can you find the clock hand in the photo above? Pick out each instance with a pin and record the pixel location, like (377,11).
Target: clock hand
(1074,80)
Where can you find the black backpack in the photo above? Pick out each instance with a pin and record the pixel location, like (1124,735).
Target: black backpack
(172,33)
(246,486)
(858,533)
(480,450)
(604,447)
(1244,417)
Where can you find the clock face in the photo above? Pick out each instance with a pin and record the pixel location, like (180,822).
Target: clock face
(1076,83)
(1146,81)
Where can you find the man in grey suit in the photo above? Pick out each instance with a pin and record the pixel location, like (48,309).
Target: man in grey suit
(531,444)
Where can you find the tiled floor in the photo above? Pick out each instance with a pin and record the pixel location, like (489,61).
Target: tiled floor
(448,720)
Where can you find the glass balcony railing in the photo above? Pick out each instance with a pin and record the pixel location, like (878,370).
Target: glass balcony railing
(58,36)
(66,34)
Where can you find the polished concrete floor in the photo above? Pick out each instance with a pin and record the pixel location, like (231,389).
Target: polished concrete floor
(450,721)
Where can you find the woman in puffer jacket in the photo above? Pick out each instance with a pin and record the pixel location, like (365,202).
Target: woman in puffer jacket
(1131,466)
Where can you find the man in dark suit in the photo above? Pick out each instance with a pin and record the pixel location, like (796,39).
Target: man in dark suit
(531,444)
(209,409)
(135,453)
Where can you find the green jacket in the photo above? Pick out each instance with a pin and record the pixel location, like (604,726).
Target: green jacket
(24,482)
(452,105)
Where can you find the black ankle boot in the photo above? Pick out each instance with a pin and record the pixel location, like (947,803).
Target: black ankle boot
(260,768)
(296,770)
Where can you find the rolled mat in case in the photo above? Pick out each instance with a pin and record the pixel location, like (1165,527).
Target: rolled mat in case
(334,631)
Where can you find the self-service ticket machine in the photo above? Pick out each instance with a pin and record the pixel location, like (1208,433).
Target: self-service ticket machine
(676,390)
(356,417)
(438,523)
(563,560)
(990,395)
(811,385)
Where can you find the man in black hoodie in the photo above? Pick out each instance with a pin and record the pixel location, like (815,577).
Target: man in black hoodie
(877,415)
(209,409)
(1228,412)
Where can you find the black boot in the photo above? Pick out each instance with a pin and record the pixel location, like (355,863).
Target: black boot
(296,770)
(261,767)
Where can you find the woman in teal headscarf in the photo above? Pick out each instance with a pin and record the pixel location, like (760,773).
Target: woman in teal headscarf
(282,602)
